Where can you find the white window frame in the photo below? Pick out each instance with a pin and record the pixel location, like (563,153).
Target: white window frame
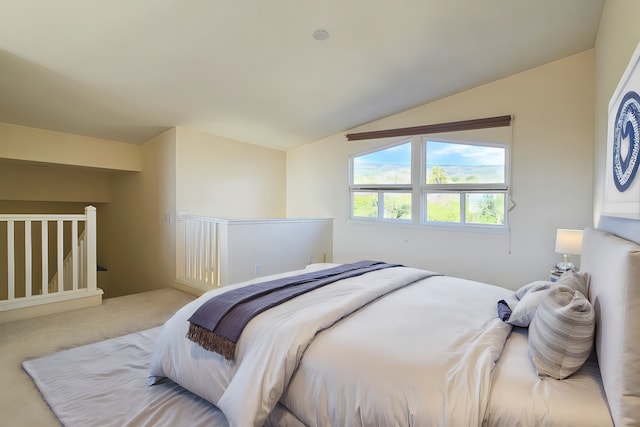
(381,189)
(464,189)
(419,187)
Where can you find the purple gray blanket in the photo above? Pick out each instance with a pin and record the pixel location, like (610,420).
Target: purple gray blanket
(217,324)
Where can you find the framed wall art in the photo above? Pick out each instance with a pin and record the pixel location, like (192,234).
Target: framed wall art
(622,183)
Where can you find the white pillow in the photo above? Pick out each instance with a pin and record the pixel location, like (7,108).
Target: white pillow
(531,294)
(561,333)
(533,287)
(526,308)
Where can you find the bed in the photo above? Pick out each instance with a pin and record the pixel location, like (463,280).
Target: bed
(409,347)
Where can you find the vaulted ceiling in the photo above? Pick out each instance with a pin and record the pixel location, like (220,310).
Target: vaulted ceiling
(252,70)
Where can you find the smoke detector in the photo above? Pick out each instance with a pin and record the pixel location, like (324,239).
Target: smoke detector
(320,35)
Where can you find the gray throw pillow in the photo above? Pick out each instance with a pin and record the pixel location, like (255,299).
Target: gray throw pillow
(561,333)
(574,280)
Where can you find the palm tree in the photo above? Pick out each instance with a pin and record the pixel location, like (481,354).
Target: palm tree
(438,176)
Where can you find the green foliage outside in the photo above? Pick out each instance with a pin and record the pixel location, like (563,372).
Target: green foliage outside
(438,176)
(465,174)
(485,209)
(397,205)
(480,208)
(443,207)
(365,205)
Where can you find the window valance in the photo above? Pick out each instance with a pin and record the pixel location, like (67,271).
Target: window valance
(489,122)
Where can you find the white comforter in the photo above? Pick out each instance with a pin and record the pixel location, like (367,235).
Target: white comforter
(422,358)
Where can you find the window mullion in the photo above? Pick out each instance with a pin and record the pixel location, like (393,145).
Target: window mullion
(418,172)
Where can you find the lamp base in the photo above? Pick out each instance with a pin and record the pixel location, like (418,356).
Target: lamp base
(565,266)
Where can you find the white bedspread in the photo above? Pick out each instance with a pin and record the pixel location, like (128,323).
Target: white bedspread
(519,398)
(270,347)
(422,356)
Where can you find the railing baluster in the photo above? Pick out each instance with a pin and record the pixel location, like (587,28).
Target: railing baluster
(27,259)
(199,251)
(213,271)
(45,257)
(11,276)
(74,254)
(60,256)
(188,241)
(205,250)
(82,264)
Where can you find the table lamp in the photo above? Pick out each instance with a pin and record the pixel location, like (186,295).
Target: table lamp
(568,242)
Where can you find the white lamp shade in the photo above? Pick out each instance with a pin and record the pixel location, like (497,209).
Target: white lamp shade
(568,241)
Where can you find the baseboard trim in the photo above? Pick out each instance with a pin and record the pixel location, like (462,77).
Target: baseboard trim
(51,307)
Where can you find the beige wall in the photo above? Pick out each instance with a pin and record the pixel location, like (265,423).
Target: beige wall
(228,179)
(618,36)
(551,179)
(38,145)
(21,180)
(140,243)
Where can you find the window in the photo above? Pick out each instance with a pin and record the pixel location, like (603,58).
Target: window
(381,184)
(465,183)
(450,183)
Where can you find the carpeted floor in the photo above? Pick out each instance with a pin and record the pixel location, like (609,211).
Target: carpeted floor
(20,401)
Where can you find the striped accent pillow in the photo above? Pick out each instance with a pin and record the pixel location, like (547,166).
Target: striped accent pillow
(561,333)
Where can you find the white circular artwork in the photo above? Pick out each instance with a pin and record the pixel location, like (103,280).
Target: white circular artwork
(626,141)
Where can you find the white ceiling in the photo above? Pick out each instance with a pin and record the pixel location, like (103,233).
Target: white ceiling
(250,70)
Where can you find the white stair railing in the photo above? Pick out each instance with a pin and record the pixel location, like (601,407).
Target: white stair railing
(213,252)
(69,266)
(73,275)
(197,258)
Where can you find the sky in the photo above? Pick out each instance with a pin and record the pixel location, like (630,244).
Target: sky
(398,154)
(443,153)
(440,154)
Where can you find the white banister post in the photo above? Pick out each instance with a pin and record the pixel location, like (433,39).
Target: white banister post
(92,260)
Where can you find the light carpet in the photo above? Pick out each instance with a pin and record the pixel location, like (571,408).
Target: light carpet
(104,384)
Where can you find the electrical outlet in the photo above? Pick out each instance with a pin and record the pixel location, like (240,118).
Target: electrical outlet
(256,270)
